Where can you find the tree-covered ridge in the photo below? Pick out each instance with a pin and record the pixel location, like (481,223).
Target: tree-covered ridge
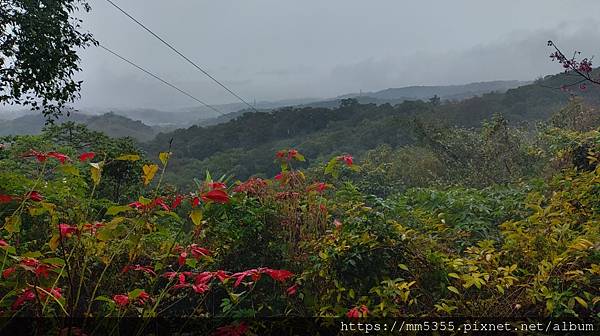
(238,147)
(111,124)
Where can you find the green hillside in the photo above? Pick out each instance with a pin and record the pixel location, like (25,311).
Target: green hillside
(240,146)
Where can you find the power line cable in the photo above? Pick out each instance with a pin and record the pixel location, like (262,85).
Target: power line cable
(160,79)
(182,55)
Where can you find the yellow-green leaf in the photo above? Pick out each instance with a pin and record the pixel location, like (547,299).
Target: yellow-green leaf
(164,157)
(128,157)
(69,169)
(95,172)
(114,210)
(34,211)
(149,172)
(196,216)
(54,241)
(581,302)
(453,289)
(12,224)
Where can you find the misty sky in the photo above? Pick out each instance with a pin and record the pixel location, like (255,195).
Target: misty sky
(280,49)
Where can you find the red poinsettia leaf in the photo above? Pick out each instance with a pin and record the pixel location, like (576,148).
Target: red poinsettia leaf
(5,198)
(121,300)
(279,275)
(177,201)
(35,196)
(87,156)
(217,196)
(62,158)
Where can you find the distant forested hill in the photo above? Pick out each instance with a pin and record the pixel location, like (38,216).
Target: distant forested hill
(111,124)
(245,144)
(445,92)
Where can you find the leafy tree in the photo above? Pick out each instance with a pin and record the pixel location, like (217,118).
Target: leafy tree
(38,53)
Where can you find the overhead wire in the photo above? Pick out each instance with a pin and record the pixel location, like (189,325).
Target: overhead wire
(148,72)
(170,46)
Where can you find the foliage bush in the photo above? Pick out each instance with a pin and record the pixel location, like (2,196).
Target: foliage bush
(303,243)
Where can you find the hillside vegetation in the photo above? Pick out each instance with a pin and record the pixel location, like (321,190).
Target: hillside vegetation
(241,146)
(490,221)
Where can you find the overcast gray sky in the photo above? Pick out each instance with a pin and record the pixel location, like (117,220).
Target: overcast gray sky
(280,49)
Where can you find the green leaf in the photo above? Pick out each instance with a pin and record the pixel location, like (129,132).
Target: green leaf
(128,157)
(403,267)
(32,254)
(103,298)
(134,294)
(117,209)
(54,261)
(331,168)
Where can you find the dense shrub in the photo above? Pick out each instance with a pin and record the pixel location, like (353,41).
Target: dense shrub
(296,244)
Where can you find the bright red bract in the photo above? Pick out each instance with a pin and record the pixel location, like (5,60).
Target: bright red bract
(87,156)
